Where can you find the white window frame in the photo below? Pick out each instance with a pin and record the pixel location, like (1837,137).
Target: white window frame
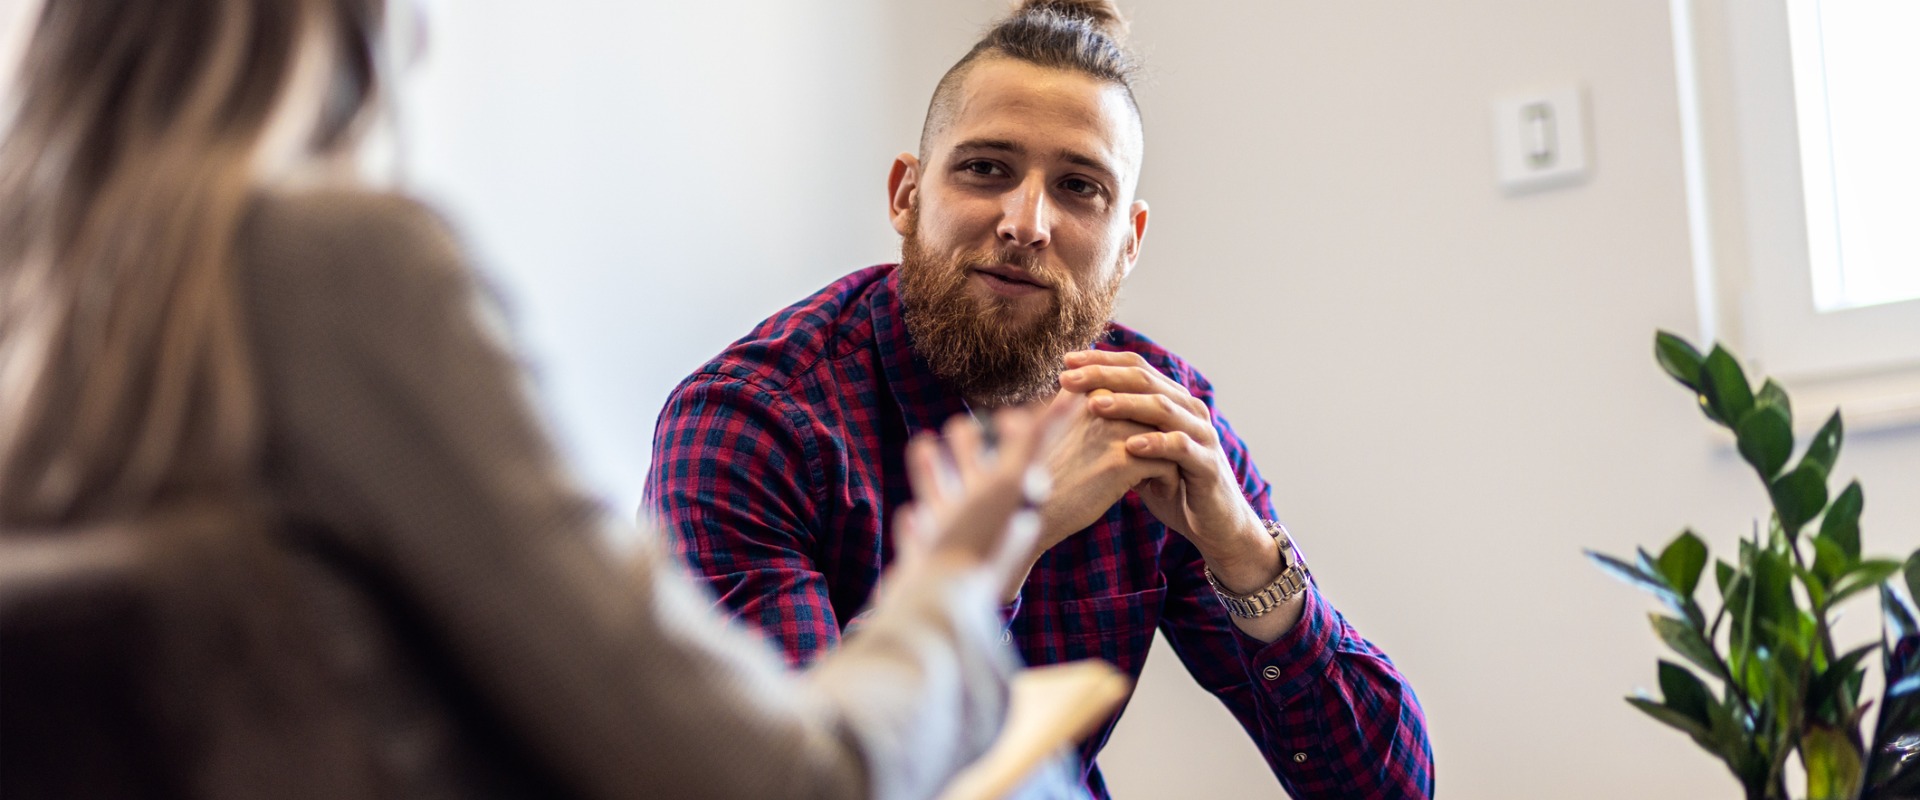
(1752,252)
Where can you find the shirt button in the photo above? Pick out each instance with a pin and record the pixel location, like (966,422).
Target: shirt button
(1270,673)
(1299,758)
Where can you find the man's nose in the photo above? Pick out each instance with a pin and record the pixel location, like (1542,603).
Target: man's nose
(1024,221)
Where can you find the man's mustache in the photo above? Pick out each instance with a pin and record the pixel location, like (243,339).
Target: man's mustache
(1026,260)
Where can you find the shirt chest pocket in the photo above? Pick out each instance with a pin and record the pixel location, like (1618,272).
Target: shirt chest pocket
(1115,628)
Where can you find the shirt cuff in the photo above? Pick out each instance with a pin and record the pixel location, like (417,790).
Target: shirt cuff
(1288,666)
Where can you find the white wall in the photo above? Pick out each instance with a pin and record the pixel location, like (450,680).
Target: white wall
(1451,389)
(648,180)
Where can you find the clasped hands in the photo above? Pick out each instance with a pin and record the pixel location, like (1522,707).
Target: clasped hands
(1128,427)
(1116,425)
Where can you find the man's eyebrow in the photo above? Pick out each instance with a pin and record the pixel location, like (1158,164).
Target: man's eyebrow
(1090,162)
(1015,148)
(1003,145)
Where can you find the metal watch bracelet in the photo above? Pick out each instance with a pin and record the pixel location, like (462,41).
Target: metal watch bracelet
(1291,582)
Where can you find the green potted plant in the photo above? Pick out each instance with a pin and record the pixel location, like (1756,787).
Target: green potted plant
(1762,679)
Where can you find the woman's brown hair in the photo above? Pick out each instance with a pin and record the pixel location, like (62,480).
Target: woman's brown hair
(129,410)
(125,173)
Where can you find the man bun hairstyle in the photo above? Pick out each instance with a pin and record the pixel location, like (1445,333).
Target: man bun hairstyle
(1048,30)
(1084,36)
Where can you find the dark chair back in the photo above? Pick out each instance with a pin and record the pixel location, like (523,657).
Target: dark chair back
(169,659)
(77,636)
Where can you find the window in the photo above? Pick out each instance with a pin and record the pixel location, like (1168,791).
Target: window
(1800,119)
(1854,74)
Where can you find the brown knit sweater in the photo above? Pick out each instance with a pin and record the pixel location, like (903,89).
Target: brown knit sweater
(481,627)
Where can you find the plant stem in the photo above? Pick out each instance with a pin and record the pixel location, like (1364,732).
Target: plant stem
(1819,610)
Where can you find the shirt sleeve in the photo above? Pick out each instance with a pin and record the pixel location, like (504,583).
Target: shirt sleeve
(1329,711)
(400,422)
(732,467)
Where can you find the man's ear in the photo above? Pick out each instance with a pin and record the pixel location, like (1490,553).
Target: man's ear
(903,191)
(1136,234)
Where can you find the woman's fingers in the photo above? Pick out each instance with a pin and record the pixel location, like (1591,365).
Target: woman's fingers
(967,443)
(1014,437)
(924,466)
(1022,531)
(978,499)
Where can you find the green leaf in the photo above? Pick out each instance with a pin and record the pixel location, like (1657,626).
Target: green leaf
(1782,670)
(1798,496)
(1739,602)
(1833,763)
(1824,448)
(1735,742)
(1648,563)
(1841,524)
(1792,635)
(1771,395)
(1829,563)
(1632,574)
(1725,385)
(1829,692)
(1682,562)
(1707,409)
(1681,604)
(1674,718)
(1678,358)
(1897,622)
(1759,676)
(1766,440)
(1866,575)
(1912,570)
(1816,586)
(1684,692)
(1688,642)
(1772,588)
(1646,576)
(1722,576)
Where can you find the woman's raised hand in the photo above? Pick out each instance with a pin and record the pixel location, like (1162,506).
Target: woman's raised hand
(975,500)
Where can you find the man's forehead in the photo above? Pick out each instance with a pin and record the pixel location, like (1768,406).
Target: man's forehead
(1046,112)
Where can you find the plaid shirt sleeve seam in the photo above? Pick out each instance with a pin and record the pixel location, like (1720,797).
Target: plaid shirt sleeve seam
(1299,657)
(743,390)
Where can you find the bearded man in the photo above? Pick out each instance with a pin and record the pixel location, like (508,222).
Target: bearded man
(778,466)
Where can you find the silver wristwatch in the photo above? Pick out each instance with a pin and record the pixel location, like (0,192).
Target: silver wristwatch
(1292,581)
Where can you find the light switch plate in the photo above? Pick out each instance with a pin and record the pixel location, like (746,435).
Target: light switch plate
(1540,139)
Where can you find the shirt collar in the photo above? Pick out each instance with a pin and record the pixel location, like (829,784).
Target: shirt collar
(925,401)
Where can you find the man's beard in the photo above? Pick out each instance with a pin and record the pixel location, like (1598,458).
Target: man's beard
(971,342)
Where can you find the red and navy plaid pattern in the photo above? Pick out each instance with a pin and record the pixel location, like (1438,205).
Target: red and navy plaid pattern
(778,465)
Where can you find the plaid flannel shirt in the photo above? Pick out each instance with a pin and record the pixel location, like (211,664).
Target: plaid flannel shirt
(776,471)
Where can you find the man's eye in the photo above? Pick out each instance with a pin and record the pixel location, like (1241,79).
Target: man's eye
(982,167)
(1080,187)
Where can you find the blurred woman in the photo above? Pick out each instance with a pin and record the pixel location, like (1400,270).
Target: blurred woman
(381,580)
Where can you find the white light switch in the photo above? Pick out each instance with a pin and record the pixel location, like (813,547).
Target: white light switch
(1540,140)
